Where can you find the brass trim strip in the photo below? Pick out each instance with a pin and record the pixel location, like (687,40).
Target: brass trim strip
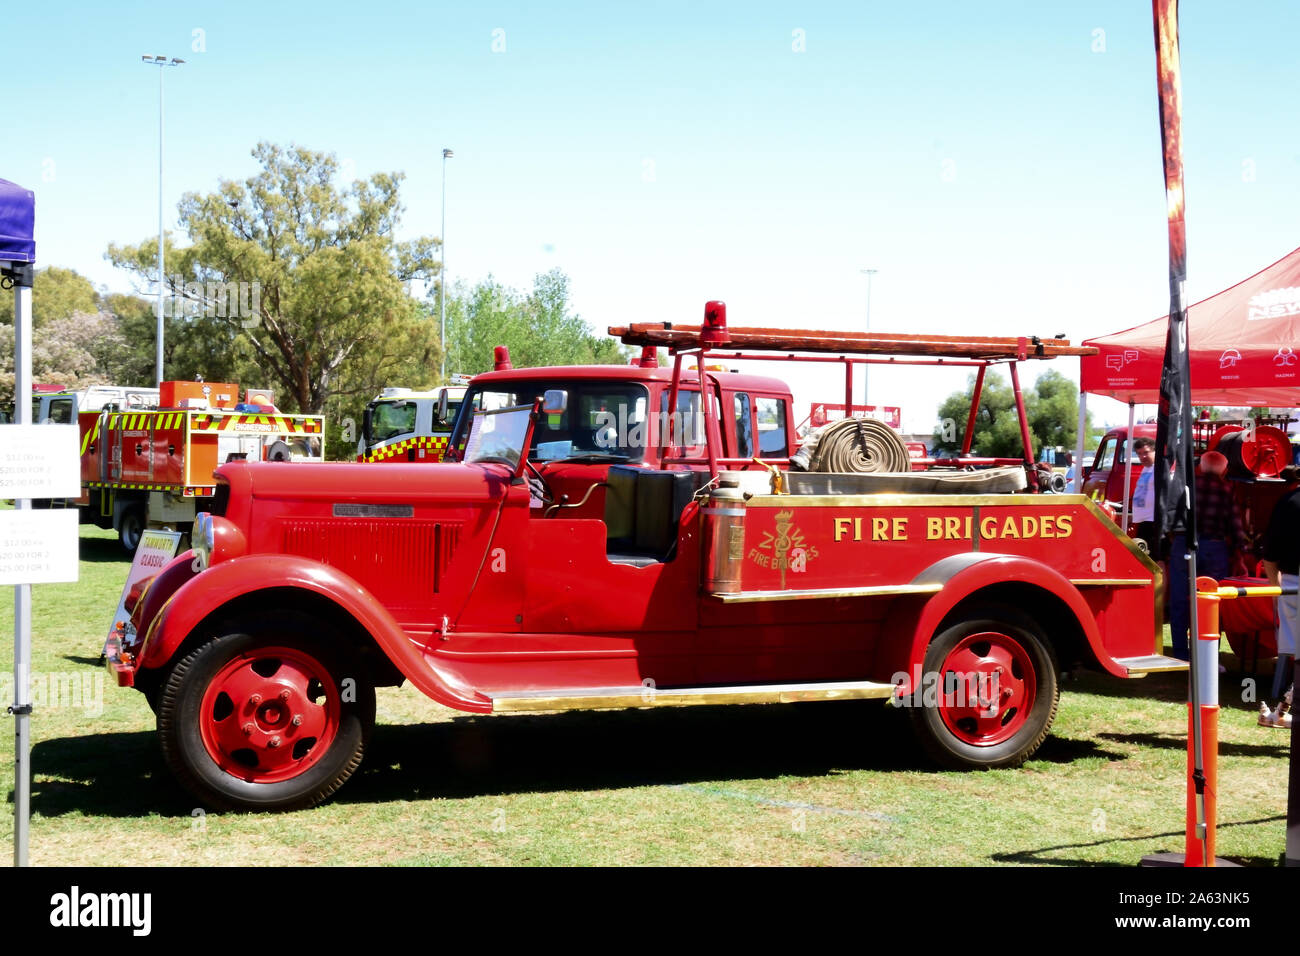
(650,697)
(1111,582)
(914,501)
(884,590)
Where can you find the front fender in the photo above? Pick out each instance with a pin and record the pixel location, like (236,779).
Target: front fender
(961,576)
(222,583)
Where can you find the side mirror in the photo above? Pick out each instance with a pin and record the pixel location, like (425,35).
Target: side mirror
(442,405)
(555,401)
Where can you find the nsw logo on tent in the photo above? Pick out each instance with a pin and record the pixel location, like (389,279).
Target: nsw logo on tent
(1274,303)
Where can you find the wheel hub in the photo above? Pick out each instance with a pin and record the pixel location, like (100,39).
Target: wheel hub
(987,688)
(270,714)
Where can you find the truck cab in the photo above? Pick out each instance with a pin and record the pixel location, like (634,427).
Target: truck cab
(619,415)
(1103,477)
(402,424)
(62,407)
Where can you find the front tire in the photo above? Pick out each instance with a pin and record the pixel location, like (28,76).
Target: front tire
(269,718)
(989,690)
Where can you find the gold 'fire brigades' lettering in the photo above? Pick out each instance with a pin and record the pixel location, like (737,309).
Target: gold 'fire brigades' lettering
(957,528)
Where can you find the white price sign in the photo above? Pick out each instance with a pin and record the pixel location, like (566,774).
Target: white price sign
(38,547)
(40,461)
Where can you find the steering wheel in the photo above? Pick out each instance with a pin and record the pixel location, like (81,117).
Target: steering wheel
(537,484)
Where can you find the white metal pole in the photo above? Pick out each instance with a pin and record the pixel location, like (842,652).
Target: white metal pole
(161,62)
(1128,465)
(442,269)
(22,592)
(1078,455)
(161,274)
(866,394)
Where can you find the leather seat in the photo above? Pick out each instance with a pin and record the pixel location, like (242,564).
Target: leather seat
(642,512)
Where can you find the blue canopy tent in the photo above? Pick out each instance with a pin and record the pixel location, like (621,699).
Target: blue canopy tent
(17,258)
(17,224)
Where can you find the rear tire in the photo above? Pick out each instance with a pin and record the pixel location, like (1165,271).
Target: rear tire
(271,716)
(130,527)
(989,690)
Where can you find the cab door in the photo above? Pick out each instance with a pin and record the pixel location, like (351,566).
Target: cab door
(1098,478)
(774,425)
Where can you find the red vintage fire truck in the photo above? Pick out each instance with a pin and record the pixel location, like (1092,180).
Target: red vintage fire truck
(682,574)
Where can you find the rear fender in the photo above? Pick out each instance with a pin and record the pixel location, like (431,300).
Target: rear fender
(962,576)
(216,587)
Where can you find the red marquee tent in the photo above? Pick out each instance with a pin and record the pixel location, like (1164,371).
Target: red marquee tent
(1245,347)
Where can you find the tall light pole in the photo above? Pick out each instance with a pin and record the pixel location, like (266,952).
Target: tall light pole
(442,269)
(160,62)
(866,400)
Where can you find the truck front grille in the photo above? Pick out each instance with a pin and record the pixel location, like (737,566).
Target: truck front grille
(400,562)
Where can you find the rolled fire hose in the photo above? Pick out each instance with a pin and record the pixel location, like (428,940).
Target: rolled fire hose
(858,445)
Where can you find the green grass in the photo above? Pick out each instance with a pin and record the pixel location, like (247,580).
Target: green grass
(821,784)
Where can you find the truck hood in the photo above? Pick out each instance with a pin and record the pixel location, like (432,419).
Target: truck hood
(337,482)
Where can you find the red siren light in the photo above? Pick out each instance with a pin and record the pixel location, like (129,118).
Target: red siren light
(649,356)
(714,330)
(501,357)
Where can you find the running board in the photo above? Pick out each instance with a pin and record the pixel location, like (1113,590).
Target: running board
(1151,664)
(619,698)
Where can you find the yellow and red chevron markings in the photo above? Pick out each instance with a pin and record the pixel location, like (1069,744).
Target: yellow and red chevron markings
(436,444)
(297,425)
(205,422)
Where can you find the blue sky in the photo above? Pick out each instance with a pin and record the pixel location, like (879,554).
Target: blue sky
(997,163)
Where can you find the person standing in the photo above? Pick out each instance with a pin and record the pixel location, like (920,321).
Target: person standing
(1219,535)
(1144,494)
(1282,564)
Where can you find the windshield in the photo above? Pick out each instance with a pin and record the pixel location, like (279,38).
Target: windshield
(602,420)
(389,419)
(444,424)
(498,435)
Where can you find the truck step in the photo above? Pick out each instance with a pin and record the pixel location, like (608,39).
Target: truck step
(1151,664)
(619,698)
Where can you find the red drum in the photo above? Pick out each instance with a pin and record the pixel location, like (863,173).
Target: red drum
(1249,619)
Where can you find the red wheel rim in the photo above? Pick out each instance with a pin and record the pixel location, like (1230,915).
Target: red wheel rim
(987,688)
(270,714)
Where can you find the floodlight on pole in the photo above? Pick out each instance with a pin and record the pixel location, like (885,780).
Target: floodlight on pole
(866,400)
(160,61)
(442,269)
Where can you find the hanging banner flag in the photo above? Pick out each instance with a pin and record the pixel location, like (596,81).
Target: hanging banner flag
(1174,505)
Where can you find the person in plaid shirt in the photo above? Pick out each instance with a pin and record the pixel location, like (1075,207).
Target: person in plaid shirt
(1282,564)
(1219,534)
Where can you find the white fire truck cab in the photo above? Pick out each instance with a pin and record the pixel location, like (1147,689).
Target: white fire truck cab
(402,424)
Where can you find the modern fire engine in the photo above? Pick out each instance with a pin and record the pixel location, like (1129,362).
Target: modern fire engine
(150,462)
(402,424)
(590,550)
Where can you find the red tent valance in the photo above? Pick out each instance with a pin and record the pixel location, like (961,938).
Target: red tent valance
(1245,347)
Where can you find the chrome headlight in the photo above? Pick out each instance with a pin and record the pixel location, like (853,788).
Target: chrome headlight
(215,539)
(202,540)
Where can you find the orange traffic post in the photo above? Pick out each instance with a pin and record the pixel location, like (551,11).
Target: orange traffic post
(1200,841)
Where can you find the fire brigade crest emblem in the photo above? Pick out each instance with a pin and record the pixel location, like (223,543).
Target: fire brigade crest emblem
(787,549)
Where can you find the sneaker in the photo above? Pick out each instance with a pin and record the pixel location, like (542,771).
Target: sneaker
(1265,715)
